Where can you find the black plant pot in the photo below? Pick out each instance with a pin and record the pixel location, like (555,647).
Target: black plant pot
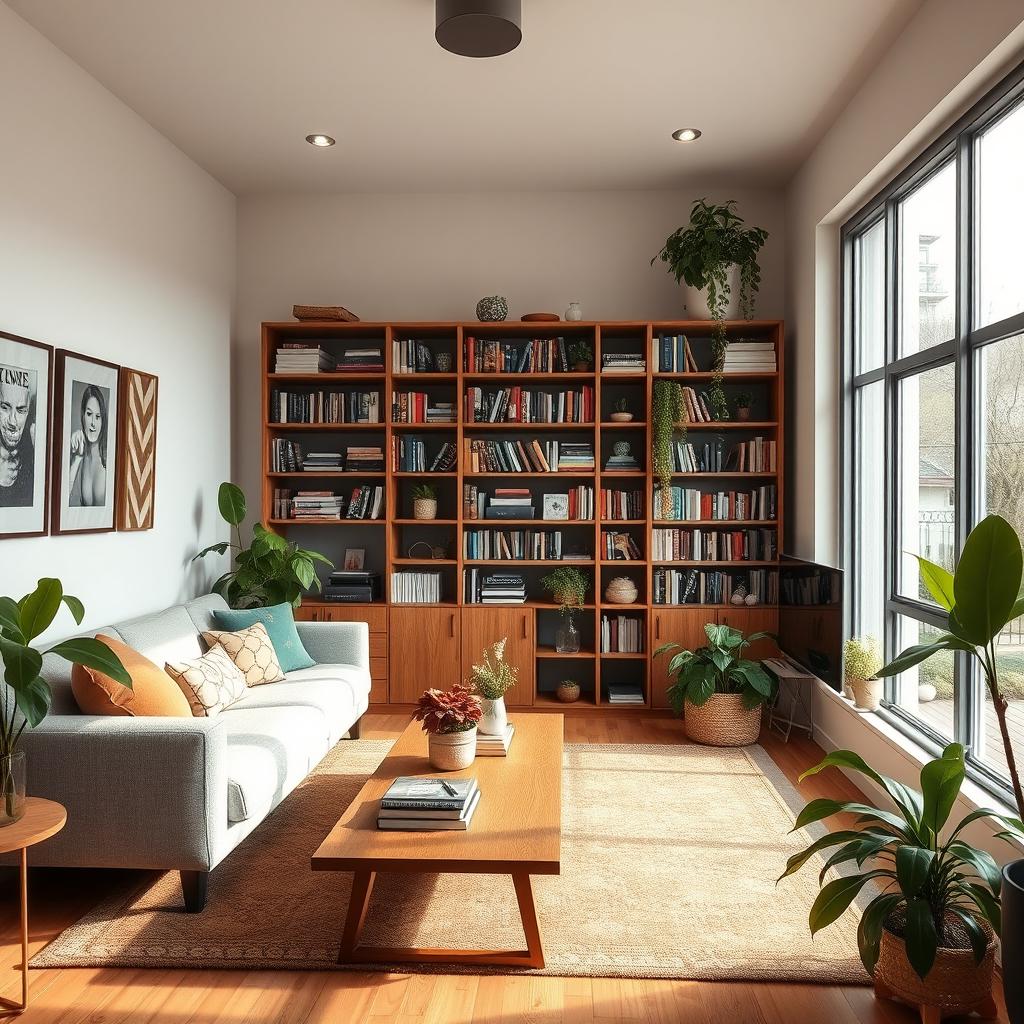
(1013,940)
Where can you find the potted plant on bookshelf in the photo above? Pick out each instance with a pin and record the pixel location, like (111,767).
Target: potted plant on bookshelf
(424,502)
(267,571)
(719,693)
(743,400)
(492,679)
(581,355)
(25,700)
(668,411)
(449,719)
(861,662)
(621,413)
(568,691)
(927,935)
(980,599)
(568,587)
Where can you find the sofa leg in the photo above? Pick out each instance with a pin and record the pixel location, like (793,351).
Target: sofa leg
(193,888)
(355,728)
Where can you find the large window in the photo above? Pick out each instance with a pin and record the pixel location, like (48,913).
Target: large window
(934,409)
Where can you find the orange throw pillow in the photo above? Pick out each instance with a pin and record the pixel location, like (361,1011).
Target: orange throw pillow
(154,693)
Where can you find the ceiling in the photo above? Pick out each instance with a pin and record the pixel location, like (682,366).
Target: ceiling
(588,101)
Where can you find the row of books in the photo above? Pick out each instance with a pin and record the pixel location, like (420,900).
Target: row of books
(416,587)
(522,405)
(366,502)
(419,407)
(409,455)
(691,503)
(516,545)
(813,588)
(483,587)
(696,407)
(301,357)
(621,504)
(619,546)
(410,356)
(492,355)
(517,503)
(671,353)
(365,359)
(758,455)
(623,362)
(750,357)
(290,457)
(528,456)
(324,406)
(423,804)
(622,634)
(700,586)
(699,545)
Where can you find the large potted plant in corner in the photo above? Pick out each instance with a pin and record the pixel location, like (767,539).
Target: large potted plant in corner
(980,598)
(492,679)
(927,935)
(26,690)
(449,719)
(568,586)
(719,693)
(267,571)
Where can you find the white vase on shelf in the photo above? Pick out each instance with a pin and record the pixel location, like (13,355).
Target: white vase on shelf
(494,719)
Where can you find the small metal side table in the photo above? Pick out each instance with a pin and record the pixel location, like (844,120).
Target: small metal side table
(796,692)
(42,819)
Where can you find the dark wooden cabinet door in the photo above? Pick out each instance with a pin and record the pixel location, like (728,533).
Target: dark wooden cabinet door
(424,651)
(753,620)
(684,626)
(481,627)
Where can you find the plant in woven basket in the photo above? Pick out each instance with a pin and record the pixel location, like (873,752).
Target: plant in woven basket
(717,667)
(443,712)
(668,410)
(934,893)
(494,676)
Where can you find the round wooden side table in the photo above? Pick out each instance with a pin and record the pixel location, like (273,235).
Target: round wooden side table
(42,819)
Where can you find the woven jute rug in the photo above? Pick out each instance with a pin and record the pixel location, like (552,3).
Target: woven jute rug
(669,861)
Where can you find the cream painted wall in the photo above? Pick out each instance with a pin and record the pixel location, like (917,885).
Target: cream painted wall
(409,257)
(114,244)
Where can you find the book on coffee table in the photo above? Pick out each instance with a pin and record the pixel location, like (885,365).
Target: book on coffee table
(423,823)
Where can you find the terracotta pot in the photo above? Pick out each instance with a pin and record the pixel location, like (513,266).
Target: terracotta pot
(424,508)
(452,751)
(581,366)
(568,692)
(722,721)
(743,413)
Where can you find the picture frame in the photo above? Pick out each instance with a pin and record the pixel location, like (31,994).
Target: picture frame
(26,425)
(556,506)
(136,445)
(85,428)
(355,559)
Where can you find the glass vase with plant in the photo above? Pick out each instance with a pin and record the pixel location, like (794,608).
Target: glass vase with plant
(581,355)
(492,679)
(668,411)
(862,658)
(568,587)
(424,502)
(25,700)
(267,571)
(449,719)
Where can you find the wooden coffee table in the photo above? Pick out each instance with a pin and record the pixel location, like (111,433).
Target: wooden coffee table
(516,831)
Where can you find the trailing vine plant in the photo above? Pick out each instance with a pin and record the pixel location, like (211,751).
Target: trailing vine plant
(667,410)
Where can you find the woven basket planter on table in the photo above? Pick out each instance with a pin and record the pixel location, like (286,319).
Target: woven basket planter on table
(722,721)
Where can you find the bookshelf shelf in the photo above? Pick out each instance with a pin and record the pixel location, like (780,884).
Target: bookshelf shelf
(454,629)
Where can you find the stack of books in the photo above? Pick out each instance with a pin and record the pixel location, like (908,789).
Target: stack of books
(414,804)
(575,457)
(495,746)
(625,693)
(361,360)
(750,357)
(493,588)
(301,357)
(364,459)
(317,505)
(509,503)
(620,463)
(623,362)
(419,407)
(322,462)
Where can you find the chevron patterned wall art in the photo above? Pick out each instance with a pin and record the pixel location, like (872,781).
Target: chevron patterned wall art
(136,492)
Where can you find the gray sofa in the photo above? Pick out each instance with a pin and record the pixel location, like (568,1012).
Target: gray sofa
(176,793)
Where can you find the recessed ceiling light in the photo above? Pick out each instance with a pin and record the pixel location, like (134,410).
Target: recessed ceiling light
(686,134)
(320,140)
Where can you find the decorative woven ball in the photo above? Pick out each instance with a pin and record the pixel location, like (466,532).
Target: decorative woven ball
(492,308)
(568,691)
(621,449)
(621,590)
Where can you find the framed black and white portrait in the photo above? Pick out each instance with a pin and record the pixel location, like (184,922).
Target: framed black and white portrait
(26,383)
(85,428)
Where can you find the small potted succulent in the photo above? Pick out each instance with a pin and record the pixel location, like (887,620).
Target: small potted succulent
(862,659)
(743,400)
(568,691)
(449,719)
(622,413)
(492,679)
(424,502)
(581,355)
(568,586)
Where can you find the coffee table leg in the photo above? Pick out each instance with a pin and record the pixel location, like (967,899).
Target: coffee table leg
(359,902)
(24,928)
(528,912)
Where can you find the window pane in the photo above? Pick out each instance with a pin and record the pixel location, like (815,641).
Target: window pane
(999,156)
(926,691)
(869,292)
(927,263)
(926,422)
(869,513)
(1001,426)
(988,746)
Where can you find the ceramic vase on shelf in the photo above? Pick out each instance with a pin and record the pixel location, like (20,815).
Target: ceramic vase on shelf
(424,508)
(494,720)
(574,312)
(12,783)
(567,637)
(452,751)
(695,300)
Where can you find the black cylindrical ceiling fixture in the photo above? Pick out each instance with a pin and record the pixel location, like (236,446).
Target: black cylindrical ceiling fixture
(479,28)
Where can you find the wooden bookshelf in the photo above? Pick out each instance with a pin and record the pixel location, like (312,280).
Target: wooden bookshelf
(414,646)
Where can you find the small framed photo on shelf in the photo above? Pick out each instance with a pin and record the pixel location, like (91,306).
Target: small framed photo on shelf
(86,456)
(26,382)
(355,559)
(556,506)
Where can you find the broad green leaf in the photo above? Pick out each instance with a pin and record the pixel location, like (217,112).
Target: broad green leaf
(231,502)
(303,569)
(920,937)
(34,701)
(10,619)
(915,655)
(76,608)
(40,607)
(941,780)
(983,863)
(751,698)
(317,557)
(987,812)
(986,903)
(218,549)
(939,582)
(700,692)
(83,650)
(912,867)
(869,931)
(835,897)
(988,578)
(798,860)
(664,648)
(979,940)
(824,808)
(21,664)
(721,660)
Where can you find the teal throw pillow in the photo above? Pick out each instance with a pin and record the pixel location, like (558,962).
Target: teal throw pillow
(280,623)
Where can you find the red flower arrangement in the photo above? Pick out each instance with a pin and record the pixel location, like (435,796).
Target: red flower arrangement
(447,711)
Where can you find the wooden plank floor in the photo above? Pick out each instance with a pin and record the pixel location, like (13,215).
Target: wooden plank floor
(111,996)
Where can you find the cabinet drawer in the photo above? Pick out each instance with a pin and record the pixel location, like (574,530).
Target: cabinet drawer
(379,647)
(375,618)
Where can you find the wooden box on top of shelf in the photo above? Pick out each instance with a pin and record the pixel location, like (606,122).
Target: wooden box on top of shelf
(414,646)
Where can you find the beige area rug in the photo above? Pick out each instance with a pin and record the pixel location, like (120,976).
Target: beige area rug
(669,861)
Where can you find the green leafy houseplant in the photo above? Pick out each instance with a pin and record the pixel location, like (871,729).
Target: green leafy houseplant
(494,676)
(267,571)
(622,405)
(424,492)
(580,352)
(717,667)
(567,585)
(668,409)
(930,888)
(21,622)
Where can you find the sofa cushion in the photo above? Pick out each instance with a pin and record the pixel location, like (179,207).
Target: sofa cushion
(170,635)
(280,622)
(251,651)
(270,750)
(201,609)
(153,692)
(211,682)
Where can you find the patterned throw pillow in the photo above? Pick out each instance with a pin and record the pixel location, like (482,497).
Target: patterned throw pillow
(211,683)
(251,651)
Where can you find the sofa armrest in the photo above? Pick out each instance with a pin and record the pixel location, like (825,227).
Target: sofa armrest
(140,792)
(336,643)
